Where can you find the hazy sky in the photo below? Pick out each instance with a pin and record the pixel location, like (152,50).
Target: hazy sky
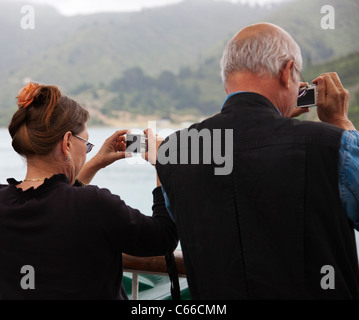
(73,7)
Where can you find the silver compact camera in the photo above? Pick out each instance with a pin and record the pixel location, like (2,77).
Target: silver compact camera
(136,143)
(307,96)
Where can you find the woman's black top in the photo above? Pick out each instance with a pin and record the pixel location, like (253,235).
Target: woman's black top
(73,237)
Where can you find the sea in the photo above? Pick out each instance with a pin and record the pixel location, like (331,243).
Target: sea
(133,179)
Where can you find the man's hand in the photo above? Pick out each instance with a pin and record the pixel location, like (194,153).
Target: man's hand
(299,111)
(333,101)
(154,142)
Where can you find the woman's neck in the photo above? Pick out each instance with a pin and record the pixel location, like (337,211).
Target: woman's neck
(39,168)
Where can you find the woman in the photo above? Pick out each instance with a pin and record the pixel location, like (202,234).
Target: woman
(71,234)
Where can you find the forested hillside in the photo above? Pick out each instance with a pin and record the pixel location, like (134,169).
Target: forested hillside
(161,62)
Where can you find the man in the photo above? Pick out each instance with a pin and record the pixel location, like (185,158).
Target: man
(279,224)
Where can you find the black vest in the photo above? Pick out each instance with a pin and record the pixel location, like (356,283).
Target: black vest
(266,230)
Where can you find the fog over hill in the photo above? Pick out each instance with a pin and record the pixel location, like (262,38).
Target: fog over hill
(101,46)
(91,53)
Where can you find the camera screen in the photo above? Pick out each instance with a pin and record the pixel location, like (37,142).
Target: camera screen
(307,99)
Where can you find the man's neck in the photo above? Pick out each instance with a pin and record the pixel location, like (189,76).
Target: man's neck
(266,86)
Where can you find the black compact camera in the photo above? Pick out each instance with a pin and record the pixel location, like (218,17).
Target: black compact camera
(307,96)
(136,143)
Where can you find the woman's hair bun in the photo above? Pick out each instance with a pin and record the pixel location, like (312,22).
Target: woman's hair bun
(27,94)
(43,117)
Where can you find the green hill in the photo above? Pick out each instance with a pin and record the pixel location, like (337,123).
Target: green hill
(99,47)
(302,19)
(347,68)
(192,92)
(173,51)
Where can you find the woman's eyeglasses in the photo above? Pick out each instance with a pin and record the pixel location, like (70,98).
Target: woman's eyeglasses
(89,145)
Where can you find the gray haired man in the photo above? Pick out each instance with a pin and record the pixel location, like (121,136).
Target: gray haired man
(287,210)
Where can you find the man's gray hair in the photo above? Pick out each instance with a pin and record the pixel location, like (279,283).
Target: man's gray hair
(263,52)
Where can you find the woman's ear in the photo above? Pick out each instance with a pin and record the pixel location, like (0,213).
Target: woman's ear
(66,144)
(286,75)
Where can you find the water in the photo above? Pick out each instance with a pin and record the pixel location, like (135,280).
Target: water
(132,179)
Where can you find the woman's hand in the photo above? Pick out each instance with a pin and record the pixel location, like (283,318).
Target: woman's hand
(113,149)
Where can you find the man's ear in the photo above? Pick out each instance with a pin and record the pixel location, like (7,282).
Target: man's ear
(286,74)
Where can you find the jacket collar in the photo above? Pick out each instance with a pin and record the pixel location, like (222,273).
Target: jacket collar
(249,99)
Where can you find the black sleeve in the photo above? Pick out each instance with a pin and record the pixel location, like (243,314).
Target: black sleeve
(131,232)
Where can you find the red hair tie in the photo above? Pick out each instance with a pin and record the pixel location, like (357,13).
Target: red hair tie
(27,94)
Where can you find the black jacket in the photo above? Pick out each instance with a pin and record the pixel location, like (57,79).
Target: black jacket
(265,230)
(74,237)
